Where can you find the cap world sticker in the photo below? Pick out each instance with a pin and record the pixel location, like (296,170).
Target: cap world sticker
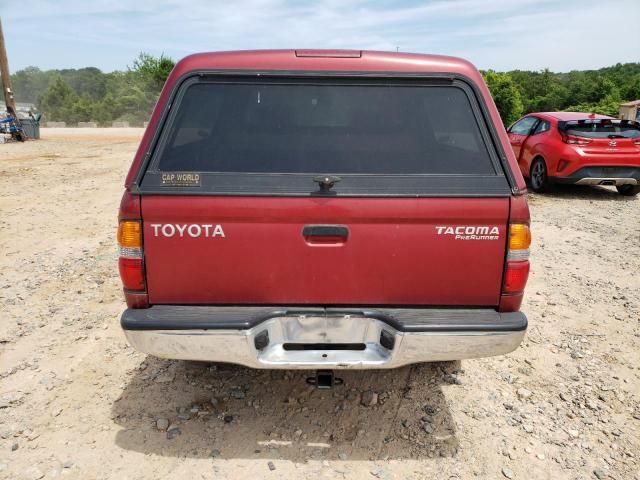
(181,179)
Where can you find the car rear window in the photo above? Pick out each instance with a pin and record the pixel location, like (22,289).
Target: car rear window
(332,129)
(602,128)
(254,135)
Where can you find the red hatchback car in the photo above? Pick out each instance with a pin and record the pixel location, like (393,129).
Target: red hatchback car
(577,148)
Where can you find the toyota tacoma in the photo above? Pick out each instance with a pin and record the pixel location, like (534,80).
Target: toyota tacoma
(316,209)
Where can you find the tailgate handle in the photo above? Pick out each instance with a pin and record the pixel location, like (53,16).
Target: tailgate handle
(325,231)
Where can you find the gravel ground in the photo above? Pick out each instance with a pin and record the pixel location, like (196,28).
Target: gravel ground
(77,402)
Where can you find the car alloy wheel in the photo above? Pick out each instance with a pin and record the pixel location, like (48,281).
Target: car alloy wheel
(538,175)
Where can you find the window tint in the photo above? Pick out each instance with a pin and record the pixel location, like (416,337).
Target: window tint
(324,128)
(542,127)
(604,128)
(523,126)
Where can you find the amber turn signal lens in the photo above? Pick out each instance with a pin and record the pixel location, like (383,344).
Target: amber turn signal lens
(129,234)
(519,236)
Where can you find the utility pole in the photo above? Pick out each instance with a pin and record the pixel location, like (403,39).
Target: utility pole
(6,77)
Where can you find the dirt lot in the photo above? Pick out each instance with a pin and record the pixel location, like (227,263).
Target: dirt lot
(77,402)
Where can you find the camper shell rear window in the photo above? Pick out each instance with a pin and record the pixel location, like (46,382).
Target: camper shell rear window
(273,136)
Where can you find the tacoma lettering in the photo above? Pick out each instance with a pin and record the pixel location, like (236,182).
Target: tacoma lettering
(470,232)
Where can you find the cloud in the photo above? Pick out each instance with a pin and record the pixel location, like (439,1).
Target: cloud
(499,34)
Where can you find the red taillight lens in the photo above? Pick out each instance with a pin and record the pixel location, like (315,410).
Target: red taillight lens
(515,276)
(131,273)
(574,140)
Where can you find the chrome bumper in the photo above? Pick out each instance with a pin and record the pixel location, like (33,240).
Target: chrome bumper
(330,340)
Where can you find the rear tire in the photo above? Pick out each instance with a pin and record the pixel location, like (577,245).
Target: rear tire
(628,190)
(538,175)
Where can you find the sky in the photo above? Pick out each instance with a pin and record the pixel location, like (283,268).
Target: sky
(561,35)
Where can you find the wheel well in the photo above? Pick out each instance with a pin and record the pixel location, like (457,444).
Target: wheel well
(536,158)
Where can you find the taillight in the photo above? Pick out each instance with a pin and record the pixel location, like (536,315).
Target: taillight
(515,277)
(131,273)
(575,140)
(636,142)
(130,262)
(517,269)
(130,246)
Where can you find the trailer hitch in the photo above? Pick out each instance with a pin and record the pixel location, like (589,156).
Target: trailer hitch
(324,379)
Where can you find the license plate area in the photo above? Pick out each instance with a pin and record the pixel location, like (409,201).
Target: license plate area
(337,340)
(319,330)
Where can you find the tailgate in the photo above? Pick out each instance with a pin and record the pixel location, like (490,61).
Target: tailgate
(381,251)
(415,214)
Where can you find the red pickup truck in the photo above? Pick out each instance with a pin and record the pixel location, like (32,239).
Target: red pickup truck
(322,209)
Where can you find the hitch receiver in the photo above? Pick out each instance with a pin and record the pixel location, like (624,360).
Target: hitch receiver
(324,379)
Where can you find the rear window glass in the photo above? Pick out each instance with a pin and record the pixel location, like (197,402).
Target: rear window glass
(324,128)
(602,128)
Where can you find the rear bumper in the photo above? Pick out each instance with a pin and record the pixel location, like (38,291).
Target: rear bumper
(318,338)
(603,175)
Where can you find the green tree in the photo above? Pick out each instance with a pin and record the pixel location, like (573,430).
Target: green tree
(89,82)
(81,110)
(152,71)
(29,84)
(58,100)
(602,87)
(553,99)
(631,91)
(505,95)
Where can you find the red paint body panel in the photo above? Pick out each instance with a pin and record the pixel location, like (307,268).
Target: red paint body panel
(552,149)
(287,60)
(392,256)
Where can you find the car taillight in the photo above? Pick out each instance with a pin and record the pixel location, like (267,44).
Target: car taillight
(130,262)
(636,142)
(517,269)
(131,273)
(575,140)
(515,277)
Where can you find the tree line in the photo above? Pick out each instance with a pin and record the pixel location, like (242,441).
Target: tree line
(88,94)
(596,91)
